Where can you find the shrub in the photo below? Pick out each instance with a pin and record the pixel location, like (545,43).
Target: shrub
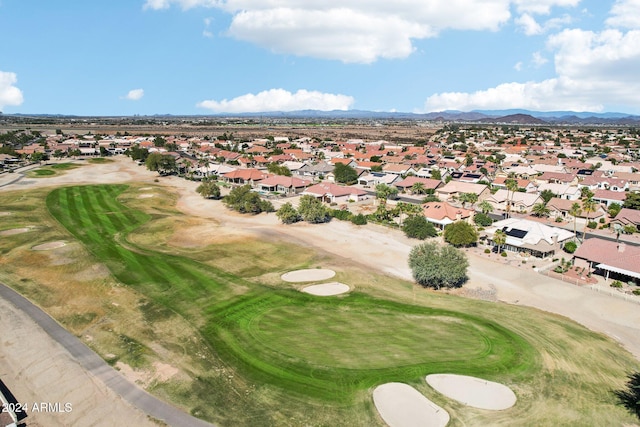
(482,219)
(359,219)
(636,291)
(312,210)
(341,214)
(288,214)
(503,254)
(558,219)
(570,247)
(601,221)
(438,266)
(417,227)
(592,225)
(487,251)
(616,284)
(243,200)
(460,233)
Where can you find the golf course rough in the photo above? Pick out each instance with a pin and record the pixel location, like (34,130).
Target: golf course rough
(329,349)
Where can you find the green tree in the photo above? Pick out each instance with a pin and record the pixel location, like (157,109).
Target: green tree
(630,396)
(512,185)
(278,169)
(345,174)
(485,207)
(482,219)
(547,195)
(313,210)
(138,153)
(417,227)
(243,200)
(465,198)
(460,233)
(159,141)
(614,209)
(438,266)
(288,214)
(588,205)
(499,239)
(208,190)
(436,174)
(575,211)
(419,188)
(632,201)
(384,192)
(161,163)
(540,210)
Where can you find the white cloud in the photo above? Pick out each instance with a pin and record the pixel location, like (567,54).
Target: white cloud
(9,93)
(135,94)
(542,7)
(625,14)
(518,66)
(594,70)
(529,25)
(351,31)
(538,59)
(280,100)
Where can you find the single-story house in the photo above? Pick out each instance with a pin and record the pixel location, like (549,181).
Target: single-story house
(245,176)
(524,235)
(315,170)
(627,216)
(371,179)
(407,183)
(569,192)
(283,184)
(454,188)
(334,193)
(560,208)
(398,169)
(442,214)
(520,202)
(524,184)
(611,259)
(609,197)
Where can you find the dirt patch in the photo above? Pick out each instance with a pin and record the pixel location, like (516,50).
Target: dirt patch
(15,231)
(401,405)
(308,275)
(327,289)
(473,391)
(5,213)
(49,246)
(160,372)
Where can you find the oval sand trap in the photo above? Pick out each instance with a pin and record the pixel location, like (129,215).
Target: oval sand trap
(145,196)
(308,275)
(473,391)
(48,246)
(326,289)
(401,405)
(14,231)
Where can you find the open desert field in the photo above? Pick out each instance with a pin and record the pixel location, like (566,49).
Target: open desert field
(188,301)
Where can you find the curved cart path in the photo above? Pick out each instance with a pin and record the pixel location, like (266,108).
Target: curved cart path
(90,387)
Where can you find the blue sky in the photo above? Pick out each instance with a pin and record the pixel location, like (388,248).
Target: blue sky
(125,57)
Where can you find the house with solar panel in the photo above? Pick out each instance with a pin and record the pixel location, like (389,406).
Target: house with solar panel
(525,236)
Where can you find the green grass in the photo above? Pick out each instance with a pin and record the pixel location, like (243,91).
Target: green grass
(274,356)
(99,160)
(52,170)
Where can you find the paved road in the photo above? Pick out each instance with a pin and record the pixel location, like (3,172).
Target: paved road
(96,366)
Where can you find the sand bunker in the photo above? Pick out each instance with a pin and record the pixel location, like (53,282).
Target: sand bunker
(145,196)
(327,289)
(14,231)
(309,275)
(401,405)
(48,246)
(473,391)
(5,213)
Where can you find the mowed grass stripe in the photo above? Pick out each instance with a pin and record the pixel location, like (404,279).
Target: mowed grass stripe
(282,337)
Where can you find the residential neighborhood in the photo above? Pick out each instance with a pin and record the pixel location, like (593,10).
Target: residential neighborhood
(542,187)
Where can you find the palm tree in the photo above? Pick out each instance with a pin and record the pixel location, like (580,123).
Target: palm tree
(485,207)
(512,185)
(540,210)
(418,188)
(468,198)
(499,238)
(575,211)
(588,205)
